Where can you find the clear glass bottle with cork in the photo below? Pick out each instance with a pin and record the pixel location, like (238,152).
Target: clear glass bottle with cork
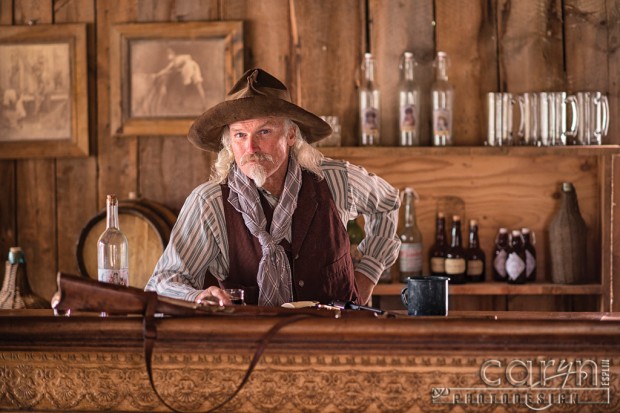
(408,103)
(442,100)
(112,248)
(410,255)
(370,104)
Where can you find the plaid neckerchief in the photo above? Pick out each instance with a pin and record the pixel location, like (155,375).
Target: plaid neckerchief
(274,272)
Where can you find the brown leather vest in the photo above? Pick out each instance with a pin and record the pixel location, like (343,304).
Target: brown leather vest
(320,257)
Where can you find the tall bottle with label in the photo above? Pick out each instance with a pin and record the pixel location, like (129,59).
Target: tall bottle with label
(530,254)
(442,100)
(455,255)
(474,255)
(408,103)
(410,256)
(515,262)
(437,253)
(370,104)
(112,250)
(500,253)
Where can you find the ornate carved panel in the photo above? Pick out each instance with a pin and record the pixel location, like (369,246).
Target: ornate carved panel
(306,382)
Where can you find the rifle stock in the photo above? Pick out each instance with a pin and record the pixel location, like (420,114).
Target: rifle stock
(77,293)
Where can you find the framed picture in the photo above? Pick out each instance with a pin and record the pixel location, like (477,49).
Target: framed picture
(44,91)
(164,75)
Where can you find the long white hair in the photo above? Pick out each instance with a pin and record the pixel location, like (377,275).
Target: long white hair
(307,156)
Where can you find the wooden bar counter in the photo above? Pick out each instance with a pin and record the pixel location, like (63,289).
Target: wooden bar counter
(468,361)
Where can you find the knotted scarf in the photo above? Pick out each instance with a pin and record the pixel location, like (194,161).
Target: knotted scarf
(274,272)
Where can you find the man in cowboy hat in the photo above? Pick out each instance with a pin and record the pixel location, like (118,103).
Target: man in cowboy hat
(272,218)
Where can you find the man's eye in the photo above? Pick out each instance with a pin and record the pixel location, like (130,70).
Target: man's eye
(239,135)
(264,131)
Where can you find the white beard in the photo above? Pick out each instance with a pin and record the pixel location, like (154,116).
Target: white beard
(258,174)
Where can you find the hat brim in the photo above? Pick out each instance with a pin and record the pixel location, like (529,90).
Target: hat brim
(206,131)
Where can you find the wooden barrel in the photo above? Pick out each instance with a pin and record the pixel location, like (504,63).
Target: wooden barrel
(147,226)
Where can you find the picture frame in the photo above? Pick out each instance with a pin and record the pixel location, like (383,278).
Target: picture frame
(44,91)
(164,75)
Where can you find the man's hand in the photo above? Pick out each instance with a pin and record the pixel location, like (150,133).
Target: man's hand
(364,288)
(215,294)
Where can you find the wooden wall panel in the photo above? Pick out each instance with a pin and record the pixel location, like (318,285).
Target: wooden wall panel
(530,46)
(266,35)
(613,49)
(117,158)
(464,30)
(75,177)
(36,188)
(325,59)
(400,27)
(8,225)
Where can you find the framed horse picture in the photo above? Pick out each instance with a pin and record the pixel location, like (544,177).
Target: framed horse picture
(163,75)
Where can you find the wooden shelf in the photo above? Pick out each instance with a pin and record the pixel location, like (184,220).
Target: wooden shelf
(497,288)
(399,151)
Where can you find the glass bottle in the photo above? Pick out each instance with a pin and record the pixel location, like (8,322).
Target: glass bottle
(437,253)
(567,240)
(356,235)
(515,262)
(408,103)
(370,122)
(474,255)
(455,255)
(112,251)
(500,253)
(529,240)
(410,255)
(442,99)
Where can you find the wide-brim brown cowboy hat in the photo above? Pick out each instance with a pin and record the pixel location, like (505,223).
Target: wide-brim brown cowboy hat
(257,94)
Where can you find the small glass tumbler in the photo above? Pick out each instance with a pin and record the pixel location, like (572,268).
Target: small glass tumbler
(237,295)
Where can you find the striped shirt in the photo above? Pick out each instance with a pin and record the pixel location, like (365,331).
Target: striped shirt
(199,242)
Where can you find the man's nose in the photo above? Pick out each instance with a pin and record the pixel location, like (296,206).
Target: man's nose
(252,144)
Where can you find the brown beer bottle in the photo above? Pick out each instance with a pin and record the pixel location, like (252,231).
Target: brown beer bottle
(530,254)
(515,262)
(455,255)
(437,253)
(500,253)
(474,255)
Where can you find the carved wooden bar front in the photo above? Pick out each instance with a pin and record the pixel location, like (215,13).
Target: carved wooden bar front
(465,362)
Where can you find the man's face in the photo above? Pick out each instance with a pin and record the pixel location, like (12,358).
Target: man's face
(261,148)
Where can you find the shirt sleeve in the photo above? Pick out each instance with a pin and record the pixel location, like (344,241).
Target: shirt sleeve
(378,202)
(358,192)
(194,244)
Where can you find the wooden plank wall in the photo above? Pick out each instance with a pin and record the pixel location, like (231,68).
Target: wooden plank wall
(315,46)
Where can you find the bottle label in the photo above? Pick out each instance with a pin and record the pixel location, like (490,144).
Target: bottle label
(441,122)
(438,265)
(118,277)
(530,263)
(370,121)
(474,268)
(410,257)
(514,266)
(500,263)
(455,266)
(407,118)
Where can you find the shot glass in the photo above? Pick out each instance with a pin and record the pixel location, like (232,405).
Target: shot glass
(237,295)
